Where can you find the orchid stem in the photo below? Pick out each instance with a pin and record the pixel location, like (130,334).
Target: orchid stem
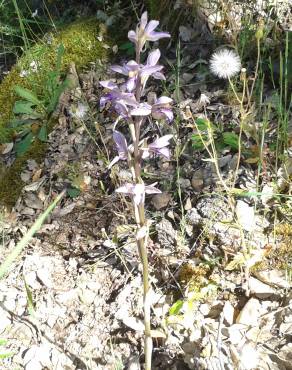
(141,222)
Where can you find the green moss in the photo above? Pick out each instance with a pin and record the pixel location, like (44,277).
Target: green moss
(81,44)
(8,97)
(11,184)
(194,277)
(278,256)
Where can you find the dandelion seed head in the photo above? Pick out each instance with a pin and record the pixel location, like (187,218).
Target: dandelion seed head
(225,63)
(79,111)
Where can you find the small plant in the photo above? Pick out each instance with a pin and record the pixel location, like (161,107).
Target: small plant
(128,102)
(34,111)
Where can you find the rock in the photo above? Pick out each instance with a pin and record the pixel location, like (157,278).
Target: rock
(235,333)
(134,363)
(186,34)
(31,280)
(215,309)
(134,323)
(187,77)
(160,201)
(32,164)
(214,208)
(245,215)
(228,312)
(193,218)
(37,357)
(87,296)
(33,365)
(225,233)
(286,353)
(184,183)
(223,161)
(198,180)
(188,204)
(25,176)
(283,174)
(286,326)
(166,234)
(250,313)
(204,309)
(5,319)
(274,278)
(232,164)
(197,184)
(28,211)
(248,356)
(6,148)
(32,201)
(45,276)
(267,194)
(260,289)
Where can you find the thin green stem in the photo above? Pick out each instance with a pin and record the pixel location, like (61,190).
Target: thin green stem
(21,25)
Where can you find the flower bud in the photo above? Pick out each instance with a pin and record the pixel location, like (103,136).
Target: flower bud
(260,31)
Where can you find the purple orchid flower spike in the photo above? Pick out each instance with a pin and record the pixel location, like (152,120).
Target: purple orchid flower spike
(138,191)
(122,148)
(145,32)
(133,70)
(115,94)
(161,109)
(158,147)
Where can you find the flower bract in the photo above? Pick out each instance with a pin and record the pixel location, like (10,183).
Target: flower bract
(145,32)
(138,191)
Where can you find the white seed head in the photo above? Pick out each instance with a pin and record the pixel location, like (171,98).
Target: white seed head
(225,63)
(78,111)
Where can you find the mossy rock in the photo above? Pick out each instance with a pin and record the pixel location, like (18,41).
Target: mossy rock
(80,40)
(82,46)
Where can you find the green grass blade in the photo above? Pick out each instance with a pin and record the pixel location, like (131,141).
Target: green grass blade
(26,238)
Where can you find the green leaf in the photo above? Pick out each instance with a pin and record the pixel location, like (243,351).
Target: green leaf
(197,142)
(203,124)
(126,46)
(23,145)
(73,192)
(43,133)
(30,303)
(18,122)
(54,99)
(3,341)
(176,307)
(6,355)
(60,53)
(23,107)
(27,95)
(231,139)
(4,267)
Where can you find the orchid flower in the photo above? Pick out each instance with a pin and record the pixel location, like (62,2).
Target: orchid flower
(161,109)
(151,68)
(158,147)
(138,191)
(115,94)
(145,32)
(122,148)
(143,109)
(127,101)
(133,70)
